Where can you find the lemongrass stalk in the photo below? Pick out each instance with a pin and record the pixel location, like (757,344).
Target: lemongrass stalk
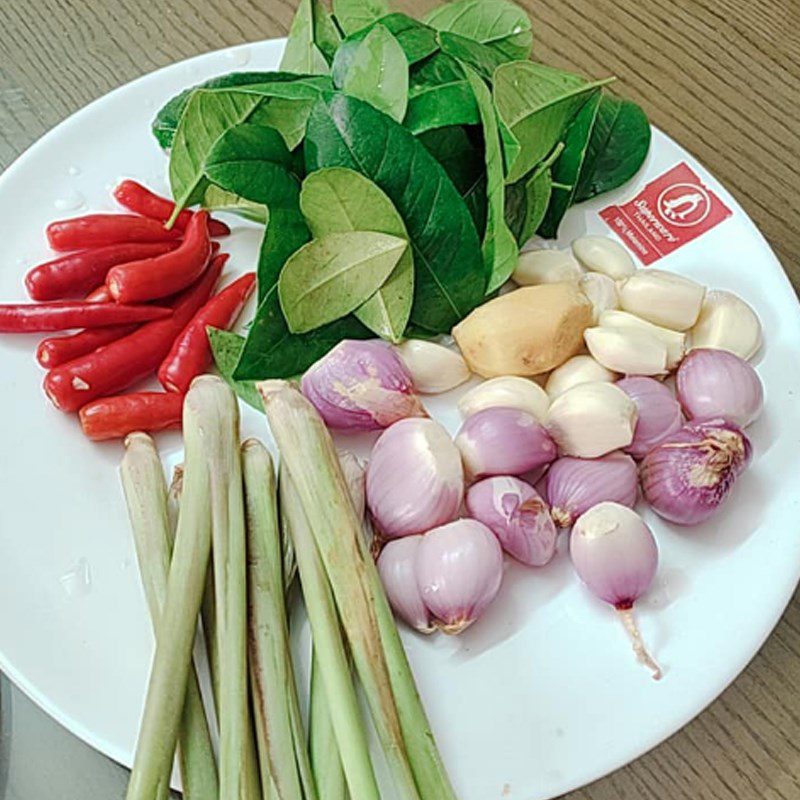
(271,672)
(329,647)
(174,501)
(426,761)
(304,440)
(146,496)
(251,787)
(172,660)
(324,750)
(429,770)
(226,502)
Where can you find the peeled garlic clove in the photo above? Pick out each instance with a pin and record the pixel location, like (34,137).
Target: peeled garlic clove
(674,340)
(726,322)
(433,368)
(459,570)
(579,369)
(603,255)
(662,298)
(627,351)
(592,419)
(361,385)
(508,392)
(503,441)
(601,291)
(546,266)
(415,480)
(397,568)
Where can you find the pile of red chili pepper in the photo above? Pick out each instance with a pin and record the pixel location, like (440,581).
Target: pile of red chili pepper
(139,298)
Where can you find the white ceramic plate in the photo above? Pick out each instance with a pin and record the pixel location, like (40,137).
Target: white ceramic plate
(543,695)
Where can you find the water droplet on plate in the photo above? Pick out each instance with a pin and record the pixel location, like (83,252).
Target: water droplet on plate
(73,170)
(77,581)
(71,201)
(239,56)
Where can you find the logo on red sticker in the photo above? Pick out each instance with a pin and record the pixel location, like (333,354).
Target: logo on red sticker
(668,213)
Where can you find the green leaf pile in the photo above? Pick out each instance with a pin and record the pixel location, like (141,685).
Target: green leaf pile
(396,165)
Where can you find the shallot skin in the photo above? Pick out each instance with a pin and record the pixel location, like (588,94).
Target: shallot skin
(361,386)
(719,384)
(517,515)
(397,568)
(503,441)
(614,553)
(658,414)
(687,478)
(415,480)
(459,570)
(574,485)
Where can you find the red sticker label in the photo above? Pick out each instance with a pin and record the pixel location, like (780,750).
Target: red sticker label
(668,213)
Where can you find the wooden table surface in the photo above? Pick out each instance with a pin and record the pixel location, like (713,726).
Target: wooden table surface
(720,76)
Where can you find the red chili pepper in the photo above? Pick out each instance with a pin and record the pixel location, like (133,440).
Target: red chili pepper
(191,353)
(116,417)
(99,295)
(58,350)
(162,276)
(60,315)
(138,198)
(76,273)
(111,369)
(99,230)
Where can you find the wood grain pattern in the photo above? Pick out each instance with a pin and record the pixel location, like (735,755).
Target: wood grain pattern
(721,76)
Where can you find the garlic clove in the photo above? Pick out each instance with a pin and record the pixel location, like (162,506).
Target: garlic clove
(546,266)
(579,369)
(726,322)
(592,419)
(662,298)
(603,255)
(459,570)
(397,568)
(508,392)
(627,351)
(433,367)
(674,340)
(601,291)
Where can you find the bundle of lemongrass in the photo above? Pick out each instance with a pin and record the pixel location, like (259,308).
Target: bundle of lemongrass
(222,545)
